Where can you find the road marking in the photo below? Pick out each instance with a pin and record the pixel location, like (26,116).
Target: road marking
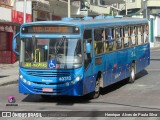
(141,85)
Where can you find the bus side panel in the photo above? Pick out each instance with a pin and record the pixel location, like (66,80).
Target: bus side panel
(89,80)
(110,68)
(107,77)
(89,84)
(117,66)
(143,57)
(131,57)
(123,58)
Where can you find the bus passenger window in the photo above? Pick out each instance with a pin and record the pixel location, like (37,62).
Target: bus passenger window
(98,37)
(145,34)
(118,38)
(106,44)
(139,35)
(126,37)
(110,38)
(87,37)
(136,35)
(142,32)
(133,36)
(103,35)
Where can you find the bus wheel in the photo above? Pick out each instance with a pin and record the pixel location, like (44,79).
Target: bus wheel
(96,92)
(132,74)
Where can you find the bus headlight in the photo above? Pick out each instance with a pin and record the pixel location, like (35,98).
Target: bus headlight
(21,76)
(78,78)
(29,83)
(24,80)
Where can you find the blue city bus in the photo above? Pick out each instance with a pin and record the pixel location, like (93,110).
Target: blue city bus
(76,57)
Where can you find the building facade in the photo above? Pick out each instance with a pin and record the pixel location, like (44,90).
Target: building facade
(12,16)
(149,9)
(7,29)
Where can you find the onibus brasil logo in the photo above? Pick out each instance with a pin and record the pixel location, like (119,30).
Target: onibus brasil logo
(11,99)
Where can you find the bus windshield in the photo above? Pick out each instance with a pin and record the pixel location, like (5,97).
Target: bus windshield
(53,53)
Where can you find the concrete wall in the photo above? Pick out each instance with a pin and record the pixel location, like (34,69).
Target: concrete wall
(7,15)
(19,6)
(153,3)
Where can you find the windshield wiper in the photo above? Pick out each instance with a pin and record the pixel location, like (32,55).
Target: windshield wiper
(59,45)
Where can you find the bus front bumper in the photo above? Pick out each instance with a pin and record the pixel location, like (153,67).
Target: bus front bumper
(71,90)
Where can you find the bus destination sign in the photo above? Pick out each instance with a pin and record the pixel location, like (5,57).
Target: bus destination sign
(50,29)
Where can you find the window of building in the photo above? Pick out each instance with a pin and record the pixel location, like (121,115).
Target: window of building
(94,2)
(131,1)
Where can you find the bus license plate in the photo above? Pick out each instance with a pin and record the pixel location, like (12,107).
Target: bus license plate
(47,89)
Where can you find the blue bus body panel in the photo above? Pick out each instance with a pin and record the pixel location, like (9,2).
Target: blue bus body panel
(142,57)
(39,81)
(114,66)
(68,91)
(89,79)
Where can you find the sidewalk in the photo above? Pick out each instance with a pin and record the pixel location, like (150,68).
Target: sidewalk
(8,73)
(154,48)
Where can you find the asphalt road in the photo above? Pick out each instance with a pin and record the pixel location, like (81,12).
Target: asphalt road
(143,95)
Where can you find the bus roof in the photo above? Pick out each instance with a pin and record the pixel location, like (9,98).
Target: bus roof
(92,22)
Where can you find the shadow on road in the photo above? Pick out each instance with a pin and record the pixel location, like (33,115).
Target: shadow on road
(141,74)
(120,84)
(68,100)
(4,76)
(59,100)
(155,59)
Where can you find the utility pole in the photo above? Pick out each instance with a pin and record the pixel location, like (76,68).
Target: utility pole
(118,8)
(69,8)
(145,8)
(126,1)
(24,10)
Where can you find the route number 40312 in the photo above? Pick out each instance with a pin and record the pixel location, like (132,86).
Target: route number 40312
(65,78)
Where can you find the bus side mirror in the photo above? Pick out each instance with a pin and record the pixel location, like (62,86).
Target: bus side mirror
(15,44)
(88,48)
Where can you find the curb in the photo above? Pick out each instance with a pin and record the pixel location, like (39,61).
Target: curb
(8,74)
(155,48)
(9,83)
(8,80)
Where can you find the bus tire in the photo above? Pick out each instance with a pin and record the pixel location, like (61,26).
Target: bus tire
(96,92)
(131,79)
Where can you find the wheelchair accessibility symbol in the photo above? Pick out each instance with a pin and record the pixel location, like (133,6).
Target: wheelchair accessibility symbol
(52,64)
